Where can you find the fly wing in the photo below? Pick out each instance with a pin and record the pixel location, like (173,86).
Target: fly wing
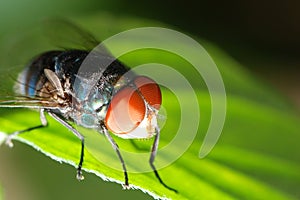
(9,95)
(65,34)
(61,33)
(27,102)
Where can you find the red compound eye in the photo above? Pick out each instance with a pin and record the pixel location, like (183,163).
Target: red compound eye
(150,90)
(126,111)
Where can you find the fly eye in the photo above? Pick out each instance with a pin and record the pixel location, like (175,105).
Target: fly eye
(150,90)
(126,111)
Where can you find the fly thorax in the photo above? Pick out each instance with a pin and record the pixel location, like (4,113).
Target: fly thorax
(93,109)
(98,102)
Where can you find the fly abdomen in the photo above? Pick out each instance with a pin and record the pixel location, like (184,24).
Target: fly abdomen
(32,78)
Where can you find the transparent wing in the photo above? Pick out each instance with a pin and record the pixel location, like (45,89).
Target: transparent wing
(26,102)
(9,97)
(17,51)
(65,34)
(8,91)
(51,34)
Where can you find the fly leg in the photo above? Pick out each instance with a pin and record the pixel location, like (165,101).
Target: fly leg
(79,175)
(44,123)
(116,148)
(152,157)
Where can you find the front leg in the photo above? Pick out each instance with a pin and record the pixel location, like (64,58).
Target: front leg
(152,158)
(44,123)
(116,148)
(79,175)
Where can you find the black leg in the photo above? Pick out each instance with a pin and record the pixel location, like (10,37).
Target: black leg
(116,148)
(79,175)
(44,124)
(152,157)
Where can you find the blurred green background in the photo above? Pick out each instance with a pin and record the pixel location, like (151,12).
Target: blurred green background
(262,36)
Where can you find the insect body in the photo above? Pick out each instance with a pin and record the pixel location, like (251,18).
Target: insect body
(105,98)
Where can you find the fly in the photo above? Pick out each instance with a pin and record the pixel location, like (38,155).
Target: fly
(108,99)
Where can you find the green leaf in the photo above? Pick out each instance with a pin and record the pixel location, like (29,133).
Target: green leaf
(255,158)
